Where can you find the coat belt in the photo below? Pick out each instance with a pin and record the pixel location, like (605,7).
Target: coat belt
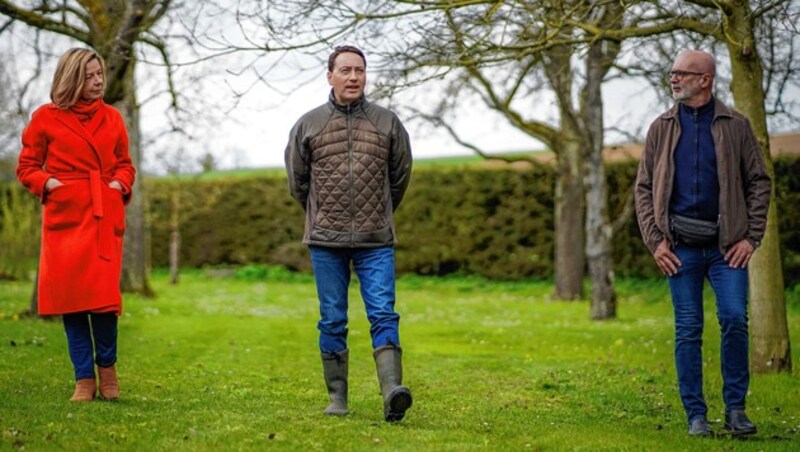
(105,228)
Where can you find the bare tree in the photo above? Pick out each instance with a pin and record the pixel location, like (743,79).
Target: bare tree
(15,103)
(600,58)
(112,28)
(509,54)
(15,107)
(506,53)
(177,166)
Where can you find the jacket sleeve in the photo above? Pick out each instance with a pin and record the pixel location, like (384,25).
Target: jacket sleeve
(124,171)
(645,211)
(757,186)
(298,168)
(400,161)
(30,169)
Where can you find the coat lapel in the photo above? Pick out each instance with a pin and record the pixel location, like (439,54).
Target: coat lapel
(71,120)
(97,121)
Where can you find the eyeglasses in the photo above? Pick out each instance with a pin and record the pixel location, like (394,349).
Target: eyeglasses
(681,74)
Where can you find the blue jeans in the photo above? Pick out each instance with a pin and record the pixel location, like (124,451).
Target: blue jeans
(91,334)
(375,270)
(730,288)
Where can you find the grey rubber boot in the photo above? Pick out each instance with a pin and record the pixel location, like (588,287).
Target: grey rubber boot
(396,397)
(334,368)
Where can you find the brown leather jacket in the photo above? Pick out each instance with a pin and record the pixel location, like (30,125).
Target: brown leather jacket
(744,184)
(349,167)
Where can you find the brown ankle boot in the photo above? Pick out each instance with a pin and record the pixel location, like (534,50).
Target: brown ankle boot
(109,386)
(84,390)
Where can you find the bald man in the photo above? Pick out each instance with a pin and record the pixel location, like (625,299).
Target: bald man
(702,193)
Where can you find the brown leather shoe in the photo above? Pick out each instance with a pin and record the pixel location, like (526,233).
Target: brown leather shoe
(109,386)
(84,390)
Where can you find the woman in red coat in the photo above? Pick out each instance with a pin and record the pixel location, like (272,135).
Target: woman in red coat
(75,159)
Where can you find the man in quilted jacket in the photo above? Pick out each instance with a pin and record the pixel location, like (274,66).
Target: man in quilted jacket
(349,164)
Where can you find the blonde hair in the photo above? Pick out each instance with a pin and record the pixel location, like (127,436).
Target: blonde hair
(70,76)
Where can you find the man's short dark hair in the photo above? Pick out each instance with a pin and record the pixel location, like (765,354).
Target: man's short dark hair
(345,49)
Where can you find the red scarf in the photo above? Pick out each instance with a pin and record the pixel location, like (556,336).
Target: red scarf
(86,110)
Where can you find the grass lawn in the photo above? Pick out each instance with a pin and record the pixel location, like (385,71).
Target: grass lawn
(232,363)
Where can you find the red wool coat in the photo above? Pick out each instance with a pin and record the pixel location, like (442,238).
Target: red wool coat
(83,220)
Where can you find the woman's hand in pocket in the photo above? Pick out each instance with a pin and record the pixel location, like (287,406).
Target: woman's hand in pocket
(115,185)
(52,183)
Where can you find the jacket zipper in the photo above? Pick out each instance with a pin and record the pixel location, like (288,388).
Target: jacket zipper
(696,182)
(670,179)
(352,188)
(721,206)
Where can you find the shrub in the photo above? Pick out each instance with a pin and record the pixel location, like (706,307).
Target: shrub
(496,223)
(20,230)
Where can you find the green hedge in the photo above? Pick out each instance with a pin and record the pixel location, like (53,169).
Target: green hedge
(490,222)
(20,229)
(236,221)
(787,184)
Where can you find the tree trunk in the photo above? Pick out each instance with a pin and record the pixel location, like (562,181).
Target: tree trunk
(113,28)
(769,334)
(599,231)
(598,240)
(135,263)
(569,208)
(770,345)
(174,251)
(175,235)
(33,310)
(598,226)
(569,253)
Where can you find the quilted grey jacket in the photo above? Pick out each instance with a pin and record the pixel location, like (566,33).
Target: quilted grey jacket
(349,167)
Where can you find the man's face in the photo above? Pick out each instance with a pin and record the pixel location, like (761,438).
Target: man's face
(93,85)
(687,80)
(348,78)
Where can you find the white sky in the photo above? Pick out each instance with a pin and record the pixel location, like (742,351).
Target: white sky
(253,131)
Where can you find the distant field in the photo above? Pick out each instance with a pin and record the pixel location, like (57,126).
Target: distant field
(243,173)
(439,162)
(781,144)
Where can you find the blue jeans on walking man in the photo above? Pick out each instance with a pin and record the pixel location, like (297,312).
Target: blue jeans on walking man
(374,268)
(730,287)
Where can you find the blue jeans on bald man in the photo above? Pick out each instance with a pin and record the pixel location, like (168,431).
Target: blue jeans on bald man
(374,268)
(730,288)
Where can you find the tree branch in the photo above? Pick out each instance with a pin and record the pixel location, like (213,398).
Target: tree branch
(535,129)
(44,23)
(723,5)
(627,210)
(439,122)
(676,24)
(767,7)
(162,50)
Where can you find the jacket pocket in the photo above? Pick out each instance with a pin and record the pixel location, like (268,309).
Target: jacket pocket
(64,208)
(114,206)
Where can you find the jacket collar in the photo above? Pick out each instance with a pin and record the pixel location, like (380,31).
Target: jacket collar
(720,109)
(70,119)
(361,102)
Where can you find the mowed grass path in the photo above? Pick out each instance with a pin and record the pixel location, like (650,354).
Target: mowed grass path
(229,364)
